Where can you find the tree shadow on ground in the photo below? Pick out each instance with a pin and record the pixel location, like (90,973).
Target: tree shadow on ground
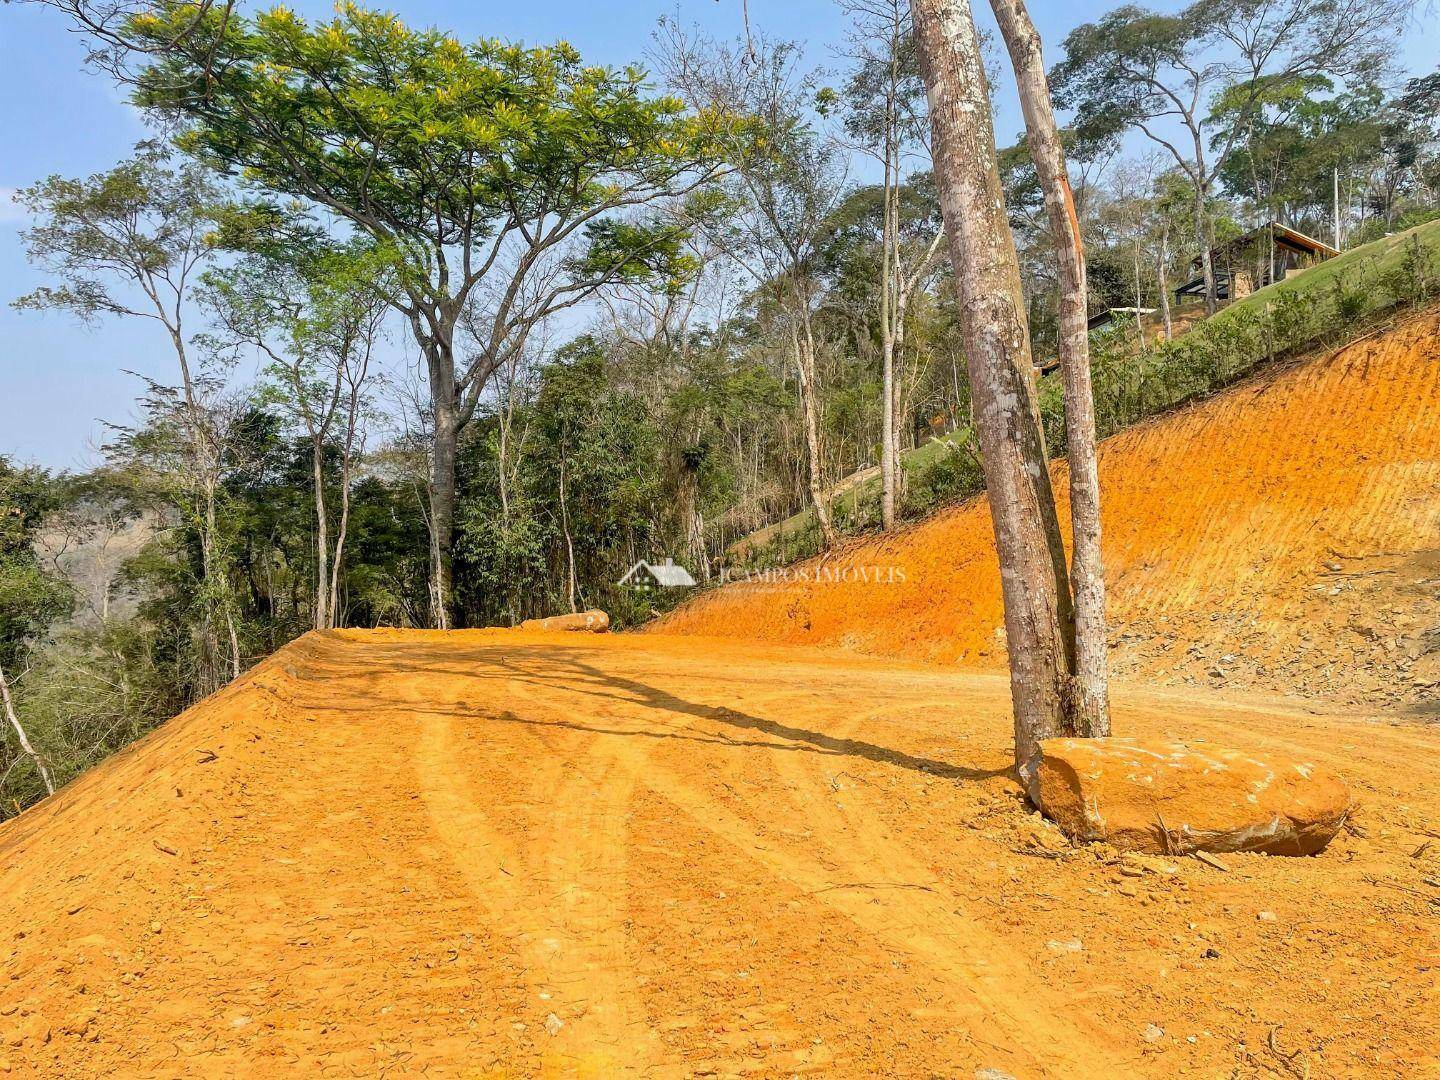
(568,670)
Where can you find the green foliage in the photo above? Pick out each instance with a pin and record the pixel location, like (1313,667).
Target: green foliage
(417,138)
(32,595)
(1113,69)
(1322,307)
(144,223)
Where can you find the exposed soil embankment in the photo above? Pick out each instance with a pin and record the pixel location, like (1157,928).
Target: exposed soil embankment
(1284,534)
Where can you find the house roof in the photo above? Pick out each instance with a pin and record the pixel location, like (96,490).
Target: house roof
(1284,237)
(1100,318)
(668,573)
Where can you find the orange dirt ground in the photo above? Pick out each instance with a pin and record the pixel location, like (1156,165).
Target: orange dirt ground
(405,853)
(1284,535)
(516,854)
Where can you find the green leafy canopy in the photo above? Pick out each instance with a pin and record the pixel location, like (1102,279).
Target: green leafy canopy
(412,133)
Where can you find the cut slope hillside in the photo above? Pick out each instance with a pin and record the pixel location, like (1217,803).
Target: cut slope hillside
(1283,534)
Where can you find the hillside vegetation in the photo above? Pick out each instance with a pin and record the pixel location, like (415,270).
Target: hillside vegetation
(1283,534)
(1324,306)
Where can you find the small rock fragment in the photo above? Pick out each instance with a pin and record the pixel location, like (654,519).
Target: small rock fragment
(553,1024)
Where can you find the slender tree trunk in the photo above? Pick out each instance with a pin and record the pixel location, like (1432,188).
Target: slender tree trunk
(1039,623)
(342,526)
(210,583)
(1139,318)
(889,274)
(805,371)
(205,480)
(1091,702)
(1204,236)
(234,644)
(888,464)
(898,403)
(442,487)
(570,582)
(322,538)
(26,748)
(1163,282)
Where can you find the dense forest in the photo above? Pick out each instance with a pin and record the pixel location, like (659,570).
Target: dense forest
(521,321)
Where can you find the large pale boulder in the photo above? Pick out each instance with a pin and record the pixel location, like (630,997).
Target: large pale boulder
(1175,798)
(595,621)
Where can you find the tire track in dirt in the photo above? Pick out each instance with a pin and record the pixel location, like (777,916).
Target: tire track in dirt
(935,926)
(993,1000)
(561,909)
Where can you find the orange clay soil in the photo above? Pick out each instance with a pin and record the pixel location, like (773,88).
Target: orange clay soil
(1283,535)
(496,853)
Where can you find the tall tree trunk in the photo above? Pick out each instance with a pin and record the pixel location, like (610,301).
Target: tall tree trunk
(570,576)
(340,530)
(1162,281)
(1139,294)
(1204,236)
(205,482)
(1091,704)
(322,538)
(1039,622)
(898,404)
(25,747)
(889,276)
(888,456)
(442,486)
(210,583)
(804,345)
(234,643)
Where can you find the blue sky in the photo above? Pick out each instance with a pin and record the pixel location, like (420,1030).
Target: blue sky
(60,381)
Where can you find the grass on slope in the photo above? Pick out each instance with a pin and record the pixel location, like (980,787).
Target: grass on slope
(1325,305)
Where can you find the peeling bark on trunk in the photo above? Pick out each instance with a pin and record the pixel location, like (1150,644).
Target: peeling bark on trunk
(1091,702)
(1038,619)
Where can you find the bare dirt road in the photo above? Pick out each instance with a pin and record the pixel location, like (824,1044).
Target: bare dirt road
(506,854)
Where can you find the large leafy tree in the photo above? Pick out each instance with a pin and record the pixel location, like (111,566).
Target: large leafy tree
(130,242)
(313,311)
(500,175)
(1158,73)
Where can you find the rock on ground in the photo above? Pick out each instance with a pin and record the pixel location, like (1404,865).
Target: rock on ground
(595,621)
(1176,798)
